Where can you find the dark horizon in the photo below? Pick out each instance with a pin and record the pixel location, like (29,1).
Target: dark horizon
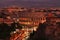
(30,3)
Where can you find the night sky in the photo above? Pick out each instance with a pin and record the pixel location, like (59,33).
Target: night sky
(30,3)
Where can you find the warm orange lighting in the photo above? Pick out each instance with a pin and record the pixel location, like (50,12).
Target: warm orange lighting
(26,23)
